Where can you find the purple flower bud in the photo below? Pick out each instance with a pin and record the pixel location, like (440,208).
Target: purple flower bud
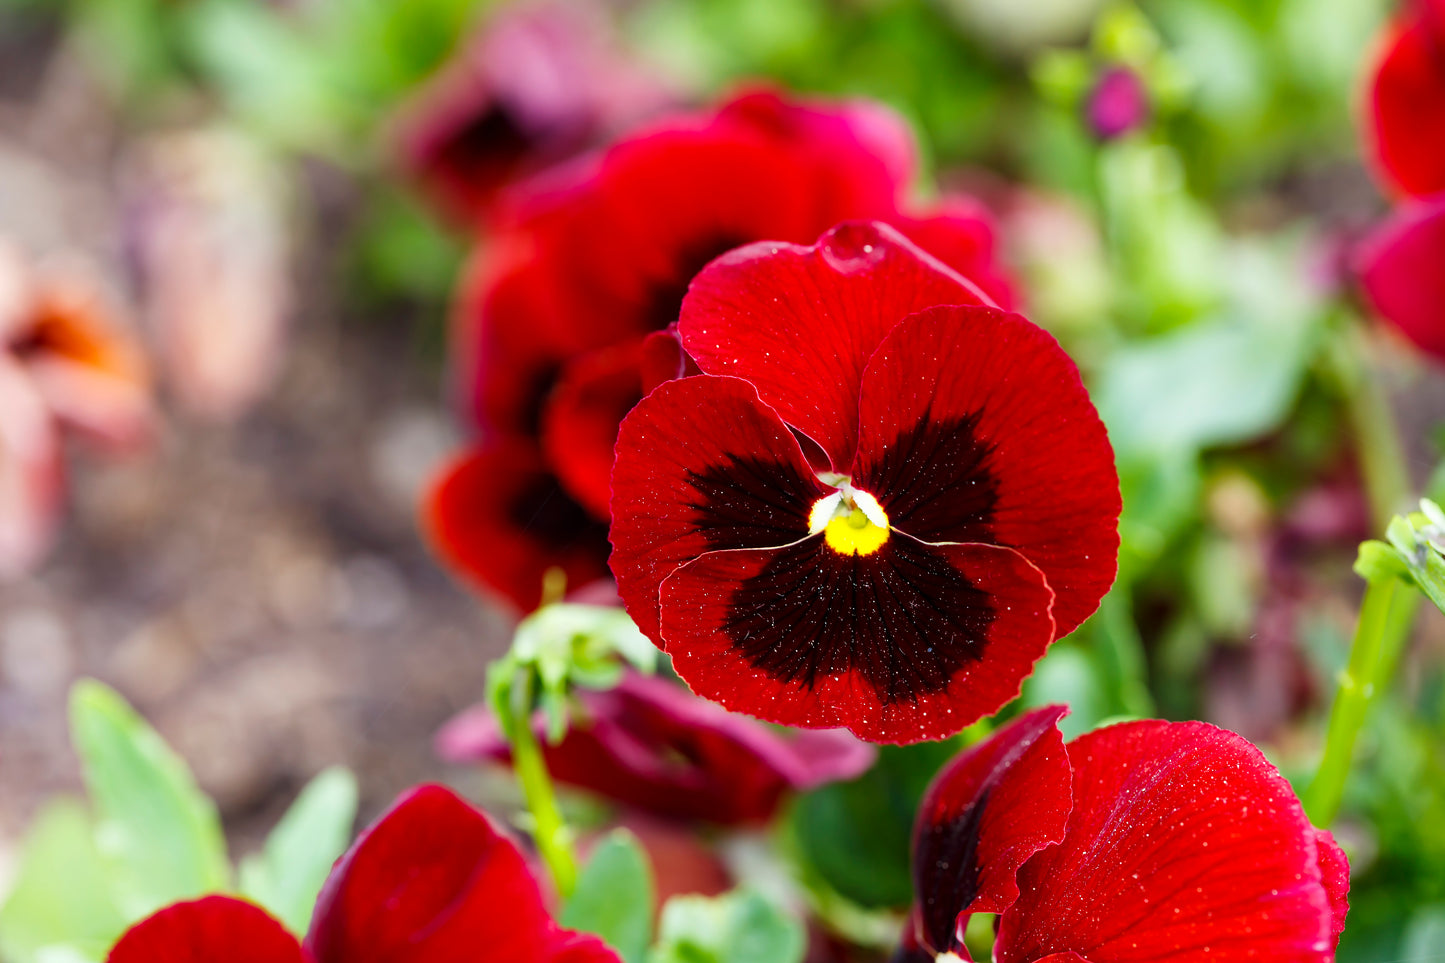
(1118,104)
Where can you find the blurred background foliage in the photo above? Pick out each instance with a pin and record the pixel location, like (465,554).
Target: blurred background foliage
(1194,267)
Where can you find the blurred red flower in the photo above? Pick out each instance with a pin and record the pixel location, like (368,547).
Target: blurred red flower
(958,510)
(652,745)
(1143,841)
(1407,100)
(432,881)
(559,326)
(1400,269)
(537,83)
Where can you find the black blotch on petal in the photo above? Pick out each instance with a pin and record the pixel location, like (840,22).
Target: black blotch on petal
(902,617)
(751,503)
(936,483)
(947,884)
(549,515)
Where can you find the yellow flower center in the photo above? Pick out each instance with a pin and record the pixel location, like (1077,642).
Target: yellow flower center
(852,521)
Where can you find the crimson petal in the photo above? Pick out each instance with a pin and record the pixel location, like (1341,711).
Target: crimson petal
(1407,105)
(701,464)
(910,642)
(214,929)
(985,814)
(653,745)
(1335,872)
(960,232)
(501,518)
(975,427)
(1184,845)
(433,881)
(593,393)
(800,323)
(1400,271)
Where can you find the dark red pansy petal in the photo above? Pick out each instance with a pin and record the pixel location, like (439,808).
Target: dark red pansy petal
(1407,107)
(215,929)
(511,333)
(975,427)
(1400,271)
(986,813)
(432,881)
(960,232)
(910,950)
(579,425)
(800,323)
(1335,873)
(500,518)
(593,393)
(863,153)
(701,464)
(1184,845)
(907,643)
(653,745)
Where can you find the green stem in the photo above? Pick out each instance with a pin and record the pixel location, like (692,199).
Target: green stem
(1360,683)
(1387,614)
(1377,438)
(553,837)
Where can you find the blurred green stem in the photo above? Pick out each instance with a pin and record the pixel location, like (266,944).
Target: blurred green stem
(1360,682)
(1387,614)
(549,829)
(1372,421)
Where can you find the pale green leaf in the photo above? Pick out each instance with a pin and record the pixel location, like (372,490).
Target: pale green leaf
(287,875)
(158,835)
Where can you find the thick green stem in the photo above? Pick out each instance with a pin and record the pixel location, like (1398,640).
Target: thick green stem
(553,837)
(1360,683)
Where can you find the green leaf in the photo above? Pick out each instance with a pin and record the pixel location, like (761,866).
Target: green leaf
(857,835)
(1227,379)
(157,833)
(60,900)
(614,897)
(738,927)
(286,876)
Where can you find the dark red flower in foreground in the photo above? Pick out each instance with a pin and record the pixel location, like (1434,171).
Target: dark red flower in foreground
(431,882)
(560,326)
(536,84)
(1407,100)
(958,509)
(653,745)
(1141,842)
(1400,268)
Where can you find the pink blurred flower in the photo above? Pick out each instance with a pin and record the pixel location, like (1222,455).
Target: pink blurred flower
(1118,104)
(68,363)
(539,82)
(651,744)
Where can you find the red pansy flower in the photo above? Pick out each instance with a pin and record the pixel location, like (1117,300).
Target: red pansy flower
(560,325)
(1400,270)
(536,84)
(653,745)
(1141,842)
(1407,100)
(431,882)
(955,508)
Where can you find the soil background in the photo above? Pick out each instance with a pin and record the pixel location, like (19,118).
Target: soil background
(258,590)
